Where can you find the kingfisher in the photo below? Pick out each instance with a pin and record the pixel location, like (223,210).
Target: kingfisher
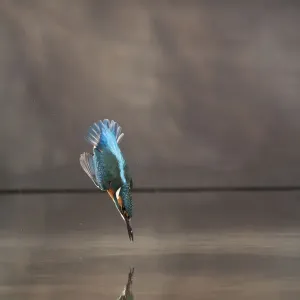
(107,167)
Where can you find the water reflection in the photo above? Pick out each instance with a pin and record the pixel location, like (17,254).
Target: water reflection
(237,247)
(127,293)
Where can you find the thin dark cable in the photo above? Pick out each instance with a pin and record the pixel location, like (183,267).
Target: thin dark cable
(152,190)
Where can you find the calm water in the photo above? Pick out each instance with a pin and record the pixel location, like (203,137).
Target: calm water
(232,246)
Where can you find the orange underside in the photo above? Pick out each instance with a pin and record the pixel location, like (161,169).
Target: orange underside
(111,194)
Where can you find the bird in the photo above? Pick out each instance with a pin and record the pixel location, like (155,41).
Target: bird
(107,167)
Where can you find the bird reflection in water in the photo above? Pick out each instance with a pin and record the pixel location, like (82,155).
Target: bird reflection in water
(127,291)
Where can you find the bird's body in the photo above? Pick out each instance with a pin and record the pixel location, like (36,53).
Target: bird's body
(107,167)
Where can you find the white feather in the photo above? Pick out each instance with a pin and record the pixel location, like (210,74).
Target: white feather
(118,193)
(86,164)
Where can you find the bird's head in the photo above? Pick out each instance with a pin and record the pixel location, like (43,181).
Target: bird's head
(124,199)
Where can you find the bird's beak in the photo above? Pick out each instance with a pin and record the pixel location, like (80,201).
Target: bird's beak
(129,229)
(124,217)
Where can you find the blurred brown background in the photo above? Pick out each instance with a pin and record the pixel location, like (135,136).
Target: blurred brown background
(209,89)
(207,93)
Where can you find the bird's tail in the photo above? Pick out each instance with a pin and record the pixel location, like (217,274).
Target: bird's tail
(103,133)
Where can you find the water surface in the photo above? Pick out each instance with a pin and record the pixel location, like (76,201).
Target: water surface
(232,246)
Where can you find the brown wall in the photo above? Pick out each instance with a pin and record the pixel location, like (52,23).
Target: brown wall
(207,94)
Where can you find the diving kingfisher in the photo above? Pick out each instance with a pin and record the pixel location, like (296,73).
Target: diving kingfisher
(107,167)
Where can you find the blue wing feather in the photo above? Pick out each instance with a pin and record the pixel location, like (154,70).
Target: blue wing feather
(105,136)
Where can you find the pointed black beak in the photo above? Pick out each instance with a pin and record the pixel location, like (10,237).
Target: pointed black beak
(129,229)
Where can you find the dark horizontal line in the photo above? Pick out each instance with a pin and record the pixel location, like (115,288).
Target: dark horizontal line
(152,190)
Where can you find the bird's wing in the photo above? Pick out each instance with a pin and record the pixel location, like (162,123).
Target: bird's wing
(105,136)
(86,162)
(102,168)
(128,174)
(112,170)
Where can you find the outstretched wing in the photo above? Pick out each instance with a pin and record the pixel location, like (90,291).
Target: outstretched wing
(86,162)
(108,160)
(107,169)
(105,136)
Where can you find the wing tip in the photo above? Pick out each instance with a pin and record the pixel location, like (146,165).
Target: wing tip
(85,164)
